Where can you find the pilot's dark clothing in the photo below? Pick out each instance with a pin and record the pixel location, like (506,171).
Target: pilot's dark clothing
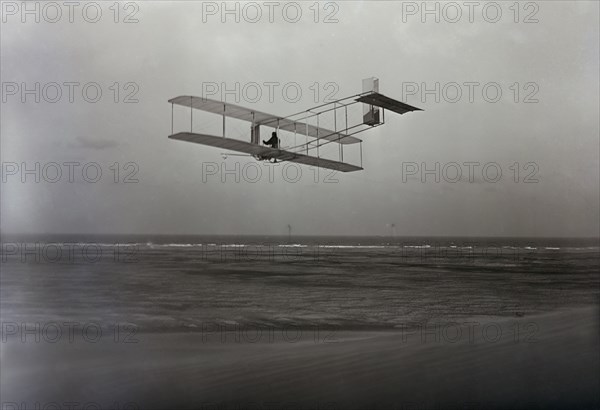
(273,142)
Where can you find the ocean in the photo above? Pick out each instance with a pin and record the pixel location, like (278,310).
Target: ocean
(182,283)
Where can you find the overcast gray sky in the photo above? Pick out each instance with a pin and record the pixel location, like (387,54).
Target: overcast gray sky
(181,48)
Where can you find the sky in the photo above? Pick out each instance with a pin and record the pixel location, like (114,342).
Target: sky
(510,98)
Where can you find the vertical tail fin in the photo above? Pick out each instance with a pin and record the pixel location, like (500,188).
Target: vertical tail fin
(370,113)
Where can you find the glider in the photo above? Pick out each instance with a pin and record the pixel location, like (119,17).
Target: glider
(374,106)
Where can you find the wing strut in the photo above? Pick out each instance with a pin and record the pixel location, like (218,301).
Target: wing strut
(318,136)
(360,154)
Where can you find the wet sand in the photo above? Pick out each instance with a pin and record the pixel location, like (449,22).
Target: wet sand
(552,361)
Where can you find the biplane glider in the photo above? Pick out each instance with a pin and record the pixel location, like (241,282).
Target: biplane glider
(315,135)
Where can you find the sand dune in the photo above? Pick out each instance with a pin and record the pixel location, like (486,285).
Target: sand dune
(553,363)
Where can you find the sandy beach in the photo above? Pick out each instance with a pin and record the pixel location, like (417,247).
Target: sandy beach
(551,361)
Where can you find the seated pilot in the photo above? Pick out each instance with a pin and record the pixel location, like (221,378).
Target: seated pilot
(273,142)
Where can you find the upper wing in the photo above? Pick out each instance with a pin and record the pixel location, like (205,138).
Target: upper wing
(222,108)
(261,118)
(265,152)
(387,103)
